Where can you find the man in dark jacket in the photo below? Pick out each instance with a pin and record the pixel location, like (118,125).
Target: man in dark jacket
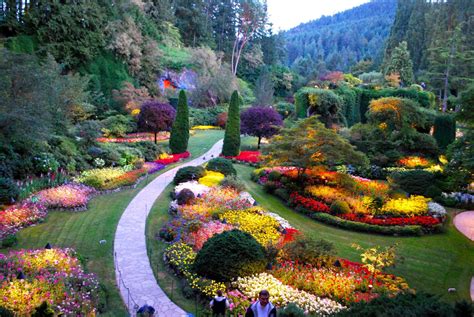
(219,304)
(262,307)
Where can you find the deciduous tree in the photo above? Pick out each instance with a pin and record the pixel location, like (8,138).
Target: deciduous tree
(155,117)
(261,122)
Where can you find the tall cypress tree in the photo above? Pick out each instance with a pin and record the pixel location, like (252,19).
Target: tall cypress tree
(180,130)
(400,62)
(232,129)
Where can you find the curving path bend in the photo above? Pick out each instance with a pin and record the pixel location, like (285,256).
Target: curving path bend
(464,222)
(133,272)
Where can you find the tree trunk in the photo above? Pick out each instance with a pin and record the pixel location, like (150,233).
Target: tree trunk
(155,136)
(259,139)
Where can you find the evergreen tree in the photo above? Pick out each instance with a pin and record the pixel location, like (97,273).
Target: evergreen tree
(180,131)
(223,25)
(231,145)
(264,89)
(401,63)
(193,20)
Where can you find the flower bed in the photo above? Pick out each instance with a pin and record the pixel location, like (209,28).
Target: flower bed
(54,276)
(366,202)
(172,158)
(211,178)
(67,196)
(19,216)
(137,137)
(246,156)
(205,127)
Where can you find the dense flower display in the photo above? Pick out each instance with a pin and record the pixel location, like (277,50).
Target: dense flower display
(196,238)
(308,203)
(247,156)
(414,162)
(19,216)
(282,294)
(195,187)
(137,137)
(347,284)
(205,127)
(67,196)
(54,276)
(413,206)
(211,178)
(172,158)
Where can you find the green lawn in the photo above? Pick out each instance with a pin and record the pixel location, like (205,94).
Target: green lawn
(83,230)
(431,263)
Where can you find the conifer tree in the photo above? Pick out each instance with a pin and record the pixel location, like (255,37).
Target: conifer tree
(232,129)
(180,130)
(401,63)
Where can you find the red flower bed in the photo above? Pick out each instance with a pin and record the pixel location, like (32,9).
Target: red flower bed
(308,203)
(425,221)
(246,156)
(289,235)
(316,206)
(173,158)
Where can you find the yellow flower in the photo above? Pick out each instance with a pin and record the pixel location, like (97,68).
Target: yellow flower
(211,178)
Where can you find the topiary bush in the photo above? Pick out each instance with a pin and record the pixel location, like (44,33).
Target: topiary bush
(340,207)
(180,131)
(444,130)
(8,190)
(185,196)
(229,255)
(414,182)
(231,146)
(188,173)
(305,250)
(221,165)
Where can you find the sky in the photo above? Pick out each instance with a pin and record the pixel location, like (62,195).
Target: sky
(285,14)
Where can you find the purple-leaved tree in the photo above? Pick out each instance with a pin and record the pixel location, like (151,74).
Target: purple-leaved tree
(262,122)
(155,117)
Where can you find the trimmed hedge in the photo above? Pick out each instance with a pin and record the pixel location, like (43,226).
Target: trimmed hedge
(325,103)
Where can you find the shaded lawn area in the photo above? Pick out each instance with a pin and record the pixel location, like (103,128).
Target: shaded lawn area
(83,230)
(431,263)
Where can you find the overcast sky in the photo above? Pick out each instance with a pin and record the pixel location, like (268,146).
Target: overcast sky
(285,14)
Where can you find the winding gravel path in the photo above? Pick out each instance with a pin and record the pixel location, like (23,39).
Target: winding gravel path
(133,272)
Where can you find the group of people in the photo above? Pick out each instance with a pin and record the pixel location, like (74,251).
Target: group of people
(261,308)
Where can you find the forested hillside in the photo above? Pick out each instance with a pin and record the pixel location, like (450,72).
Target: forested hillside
(338,42)
(439,36)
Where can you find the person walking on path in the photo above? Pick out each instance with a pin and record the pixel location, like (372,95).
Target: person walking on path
(219,304)
(262,307)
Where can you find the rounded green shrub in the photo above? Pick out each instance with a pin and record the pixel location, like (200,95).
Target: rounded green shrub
(188,173)
(305,250)
(340,207)
(229,255)
(414,182)
(8,191)
(291,310)
(221,165)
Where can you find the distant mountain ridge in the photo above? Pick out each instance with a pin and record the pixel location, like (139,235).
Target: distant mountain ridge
(341,40)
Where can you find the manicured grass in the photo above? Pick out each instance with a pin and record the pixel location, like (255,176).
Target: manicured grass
(431,263)
(83,230)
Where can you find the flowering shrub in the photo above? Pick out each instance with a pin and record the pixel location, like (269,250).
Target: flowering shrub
(66,196)
(344,284)
(197,238)
(254,221)
(211,178)
(54,276)
(414,162)
(214,201)
(172,158)
(181,257)
(325,193)
(247,156)
(195,187)
(137,137)
(205,127)
(282,294)
(308,203)
(19,216)
(413,206)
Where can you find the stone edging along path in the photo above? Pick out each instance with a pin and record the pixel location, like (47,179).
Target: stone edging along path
(133,272)
(464,222)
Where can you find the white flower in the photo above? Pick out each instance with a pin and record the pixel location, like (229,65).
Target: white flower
(194,186)
(436,209)
(247,196)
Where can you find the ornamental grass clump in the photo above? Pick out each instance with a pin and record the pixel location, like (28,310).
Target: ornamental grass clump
(229,255)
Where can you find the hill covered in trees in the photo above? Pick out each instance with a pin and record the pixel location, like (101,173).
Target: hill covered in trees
(340,41)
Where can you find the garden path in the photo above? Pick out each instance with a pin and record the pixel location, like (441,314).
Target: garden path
(133,272)
(464,222)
